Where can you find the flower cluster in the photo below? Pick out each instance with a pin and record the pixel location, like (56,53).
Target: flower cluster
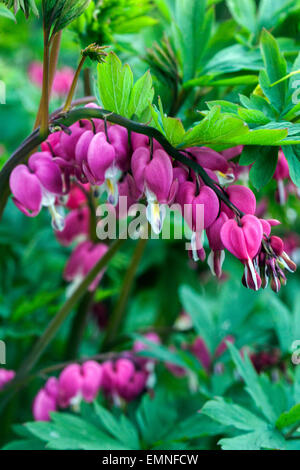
(107,158)
(120,379)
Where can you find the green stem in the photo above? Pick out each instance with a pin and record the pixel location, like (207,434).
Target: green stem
(78,326)
(73,86)
(52,69)
(90,113)
(87,82)
(55,324)
(44,129)
(117,315)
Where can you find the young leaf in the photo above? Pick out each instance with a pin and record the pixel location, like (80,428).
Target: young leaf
(289,418)
(276,69)
(115,84)
(141,96)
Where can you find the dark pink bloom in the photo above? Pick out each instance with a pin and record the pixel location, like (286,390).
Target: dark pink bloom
(77,225)
(154,177)
(243,198)
(79,382)
(233,152)
(85,256)
(68,142)
(62,79)
(243,240)
(77,197)
(118,137)
(37,185)
(189,196)
(46,401)
(121,378)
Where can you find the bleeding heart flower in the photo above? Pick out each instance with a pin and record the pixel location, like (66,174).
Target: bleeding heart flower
(79,382)
(46,401)
(243,240)
(154,177)
(85,256)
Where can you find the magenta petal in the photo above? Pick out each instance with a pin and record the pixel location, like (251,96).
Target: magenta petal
(77,223)
(70,384)
(101,156)
(68,142)
(214,233)
(118,137)
(233,152)
(139,160)
(159,176)
(211,204)
(43,405)
(92,377)
(210,159)
(26,189)
(82,146)
(243,242)
(243,198)
(47,172)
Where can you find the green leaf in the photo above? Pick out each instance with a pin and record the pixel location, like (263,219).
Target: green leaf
(190,17)
(199,310)
(115,85)
(121,429)
(233,415)
(30,444)
(276,69)
(172,128)
(289,418)
(141,96)
(221,131)
(244,13)
(156,418)
(72,432)
(257,440)
(264,166)
(292,155)
(7,13)
(254,388)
